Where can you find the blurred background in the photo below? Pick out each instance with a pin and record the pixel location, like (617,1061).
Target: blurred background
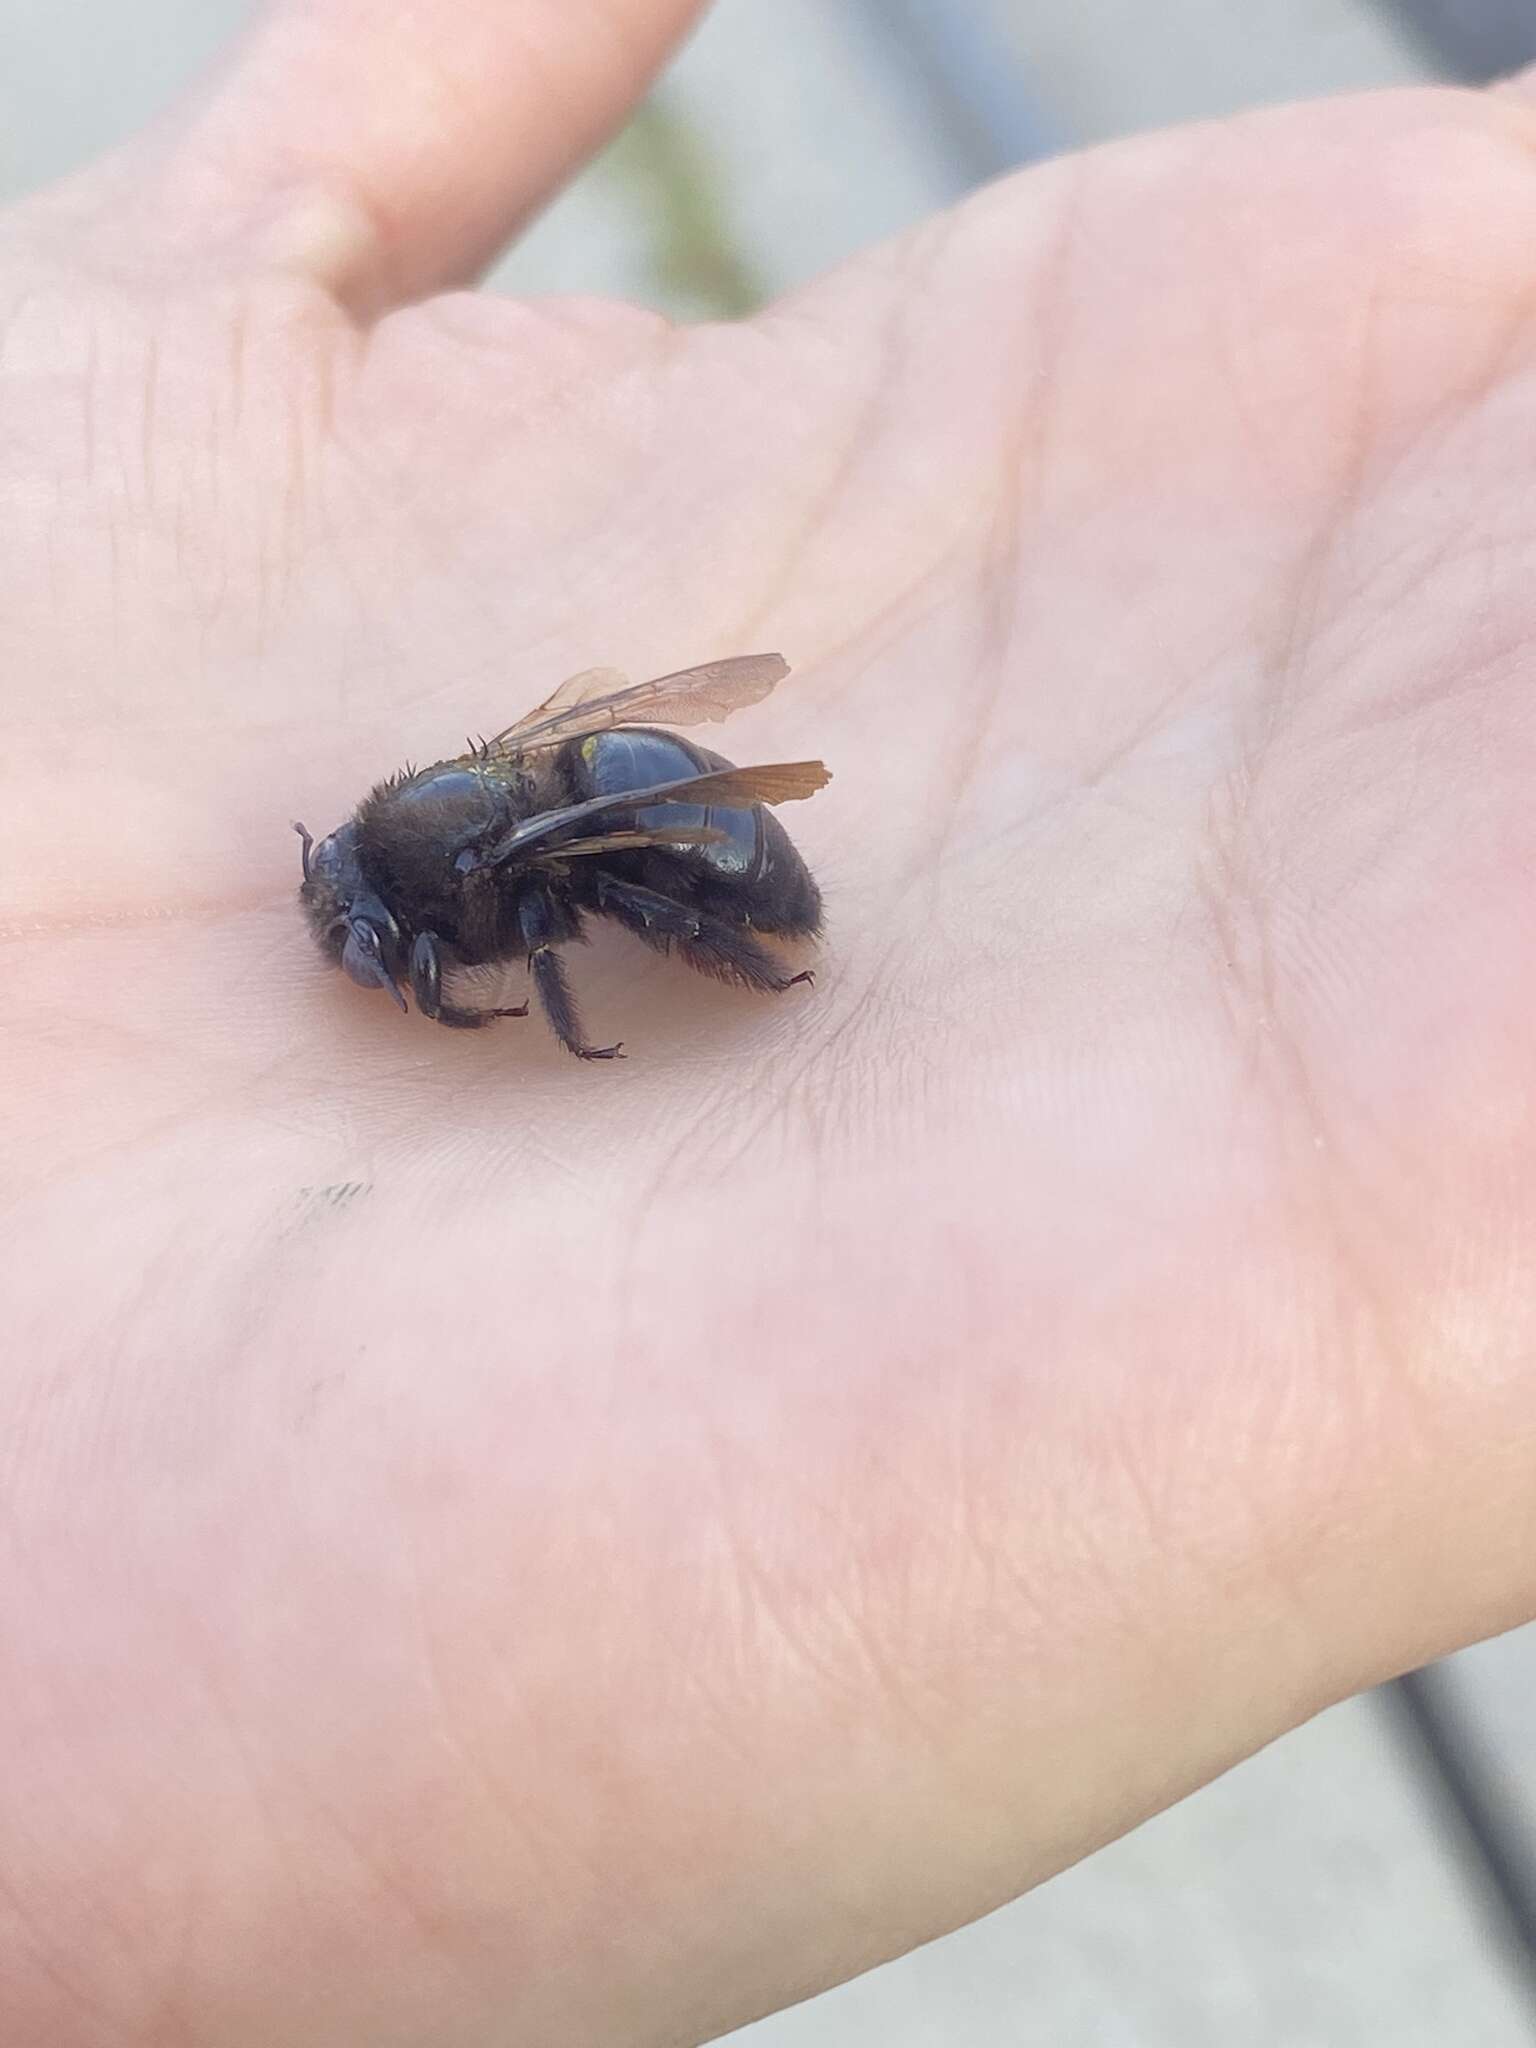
(1370,1881)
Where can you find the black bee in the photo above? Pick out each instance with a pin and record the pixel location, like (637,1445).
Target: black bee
(502,853)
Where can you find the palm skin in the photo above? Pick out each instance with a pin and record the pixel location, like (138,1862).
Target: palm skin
(500,1550)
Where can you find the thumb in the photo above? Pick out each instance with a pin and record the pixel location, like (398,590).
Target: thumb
(408,138)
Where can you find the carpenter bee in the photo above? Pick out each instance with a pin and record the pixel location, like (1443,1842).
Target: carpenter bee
(577,811)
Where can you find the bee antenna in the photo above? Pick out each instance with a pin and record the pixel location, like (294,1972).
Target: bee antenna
(308,839)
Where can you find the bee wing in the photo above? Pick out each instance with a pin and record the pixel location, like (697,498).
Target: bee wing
(635,842)
(775,782)
(601,698)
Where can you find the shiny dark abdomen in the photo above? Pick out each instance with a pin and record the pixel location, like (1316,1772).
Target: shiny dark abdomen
(751,876)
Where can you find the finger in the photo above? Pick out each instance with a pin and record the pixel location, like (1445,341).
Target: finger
(391,146)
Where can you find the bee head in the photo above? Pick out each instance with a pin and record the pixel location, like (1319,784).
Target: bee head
(352,924)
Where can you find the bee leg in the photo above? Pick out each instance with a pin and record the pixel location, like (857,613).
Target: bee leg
(559,1006)
(427,988)
(474,1020)
(710,945)
(536,918)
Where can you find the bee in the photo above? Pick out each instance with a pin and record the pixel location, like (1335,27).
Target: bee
(577,811)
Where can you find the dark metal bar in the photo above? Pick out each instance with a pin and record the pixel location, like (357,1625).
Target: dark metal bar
(965,66)
(1475,40)
(1492,1844)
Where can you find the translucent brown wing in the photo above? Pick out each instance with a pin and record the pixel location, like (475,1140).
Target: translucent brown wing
(600,698)
(636,842)
(774,782)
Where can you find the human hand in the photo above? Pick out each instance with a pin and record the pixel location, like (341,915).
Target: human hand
(501,1550)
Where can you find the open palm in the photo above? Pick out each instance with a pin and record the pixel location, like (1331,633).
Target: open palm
(503,1550)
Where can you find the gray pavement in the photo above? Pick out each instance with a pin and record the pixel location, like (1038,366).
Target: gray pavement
(1305,1900)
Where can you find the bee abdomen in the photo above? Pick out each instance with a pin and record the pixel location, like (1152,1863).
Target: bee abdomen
(612,762)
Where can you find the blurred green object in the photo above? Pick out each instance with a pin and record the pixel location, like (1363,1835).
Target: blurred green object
(672,190)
